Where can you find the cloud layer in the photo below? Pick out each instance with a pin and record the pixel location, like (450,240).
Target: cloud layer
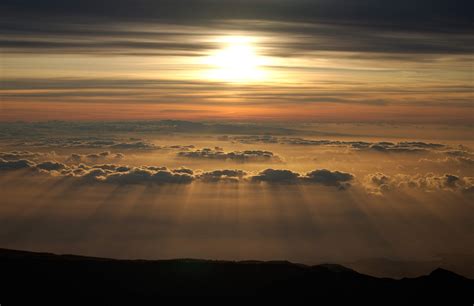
(369,27)
(120,174)
(376,183)
(238,156)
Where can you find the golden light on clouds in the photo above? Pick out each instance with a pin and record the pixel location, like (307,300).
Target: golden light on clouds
(324,131)
(236,61)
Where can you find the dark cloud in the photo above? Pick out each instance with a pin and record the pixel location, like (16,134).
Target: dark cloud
(106,173)
(405,147)
(110,167)
(232,176)
(180,147)
(276,176)
(132,27)
(15,164)
(138,145)
(288,140)
(401,13)
(378,183)
(395,149)
(460,152)
(251,139)
(238,156)
(120,174)
(15,155)
(183,170)
(79,142)
(143,175)
(330,178)
(322,142)
(322,176)
(51,166)
(94,157)
(384,146)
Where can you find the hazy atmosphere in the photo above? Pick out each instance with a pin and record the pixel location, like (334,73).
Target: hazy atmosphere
(314,132)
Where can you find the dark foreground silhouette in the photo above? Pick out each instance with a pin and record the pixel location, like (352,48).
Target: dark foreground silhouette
(49,277)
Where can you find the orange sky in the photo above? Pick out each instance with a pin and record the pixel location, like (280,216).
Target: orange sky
(258,69)
(324,112)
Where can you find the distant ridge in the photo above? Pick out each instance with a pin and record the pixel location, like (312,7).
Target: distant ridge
(49,277)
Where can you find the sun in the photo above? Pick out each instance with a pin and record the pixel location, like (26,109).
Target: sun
(236,61)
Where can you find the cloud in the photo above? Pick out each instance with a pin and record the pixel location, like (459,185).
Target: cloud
(405,147)
(323,142)
(452,161)
(139,145)
(153,27)
(232,176)
(121,174)
(74,158)
(94,157)
(183,170)
(378,183)
(251,139)
(276,176)
(143,175)
(45,133)
(322,176)
(382,147)
(46,129)
(462,151)
(180,147)
(106,167)
(329,178)
(15,164)
(51,166)
(15,155)
(284,140)
(238,156)
(395,149)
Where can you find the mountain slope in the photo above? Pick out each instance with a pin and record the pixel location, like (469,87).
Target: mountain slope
(50,277)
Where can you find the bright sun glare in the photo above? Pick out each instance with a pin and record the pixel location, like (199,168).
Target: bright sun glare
(236,61)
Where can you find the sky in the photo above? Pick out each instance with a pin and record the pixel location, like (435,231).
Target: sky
(322,131)
(386,200)
(331,61)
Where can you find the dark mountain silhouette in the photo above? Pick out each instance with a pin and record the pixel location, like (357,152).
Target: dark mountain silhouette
(393,268)
(48,277)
